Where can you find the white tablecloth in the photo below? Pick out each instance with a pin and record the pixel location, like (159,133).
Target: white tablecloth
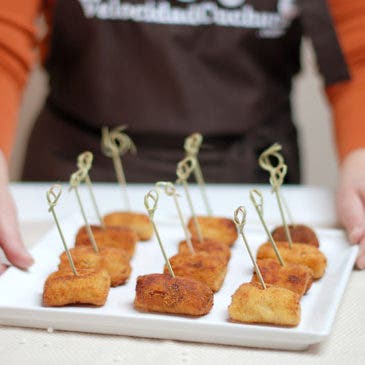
(27,346)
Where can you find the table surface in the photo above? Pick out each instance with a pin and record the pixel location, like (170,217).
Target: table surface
(20,345)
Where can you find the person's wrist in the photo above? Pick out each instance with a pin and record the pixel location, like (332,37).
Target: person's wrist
(352,168)
(351,183)
(4,176)
(10,239)
(352,157)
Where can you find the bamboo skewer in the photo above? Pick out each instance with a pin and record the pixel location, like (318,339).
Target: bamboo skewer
(276,181)
(287,209)
(192,146)
(75,181)
(116,143)
(84,163)
(150,202)
(53,194)
(273,151)
(170,190)
(240,223)
(277,175)
(260,211)
(184,168)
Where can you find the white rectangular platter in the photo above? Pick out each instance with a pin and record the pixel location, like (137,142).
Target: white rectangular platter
(21,296)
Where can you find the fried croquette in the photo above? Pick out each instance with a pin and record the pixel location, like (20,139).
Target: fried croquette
(118,237)
(165,294)
(215,228)
(113,260)
(213,248)
(200,266)
(84,257)
(299,233)
(273,305)
(139,222)
(90,286)
(295,277)
(300,253)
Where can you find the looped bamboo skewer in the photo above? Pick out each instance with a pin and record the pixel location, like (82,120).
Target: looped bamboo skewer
(116,141)
(266,164)
(277,175)
(192,147)
(260,211)
(184,168)
(193,143)
(276,180)
(53,195)
(284,168)
(240,221)
(151,196)
(168,187)
(273,151)
(75,180)
(114,144)
(170,190)
(84,163)
(150,202)
(239,218)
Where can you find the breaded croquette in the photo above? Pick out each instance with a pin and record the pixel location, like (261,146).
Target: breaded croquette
(295,277)
(214,248)
(273,305)
(299,233)
(83,257)
(200,266)
(215,228)
(90,286)
(139,222)
(118,237)
(165,294)
(113,260)
(300,253)
(112,233)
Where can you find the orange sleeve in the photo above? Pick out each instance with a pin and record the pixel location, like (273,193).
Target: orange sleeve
(18,39)
(348,98)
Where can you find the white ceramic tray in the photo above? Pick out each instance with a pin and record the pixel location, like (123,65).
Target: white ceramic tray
(21,294)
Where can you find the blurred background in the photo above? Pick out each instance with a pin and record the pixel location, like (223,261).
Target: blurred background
(312,115)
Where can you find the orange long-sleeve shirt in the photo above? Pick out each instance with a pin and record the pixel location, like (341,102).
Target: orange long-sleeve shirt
(347,98)
(18,42)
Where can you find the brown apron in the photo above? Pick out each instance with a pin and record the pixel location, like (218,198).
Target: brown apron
(170,68)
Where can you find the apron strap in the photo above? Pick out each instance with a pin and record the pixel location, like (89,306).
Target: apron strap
(318,26)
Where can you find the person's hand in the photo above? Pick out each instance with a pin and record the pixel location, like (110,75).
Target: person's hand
(351,200)
(10,240)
